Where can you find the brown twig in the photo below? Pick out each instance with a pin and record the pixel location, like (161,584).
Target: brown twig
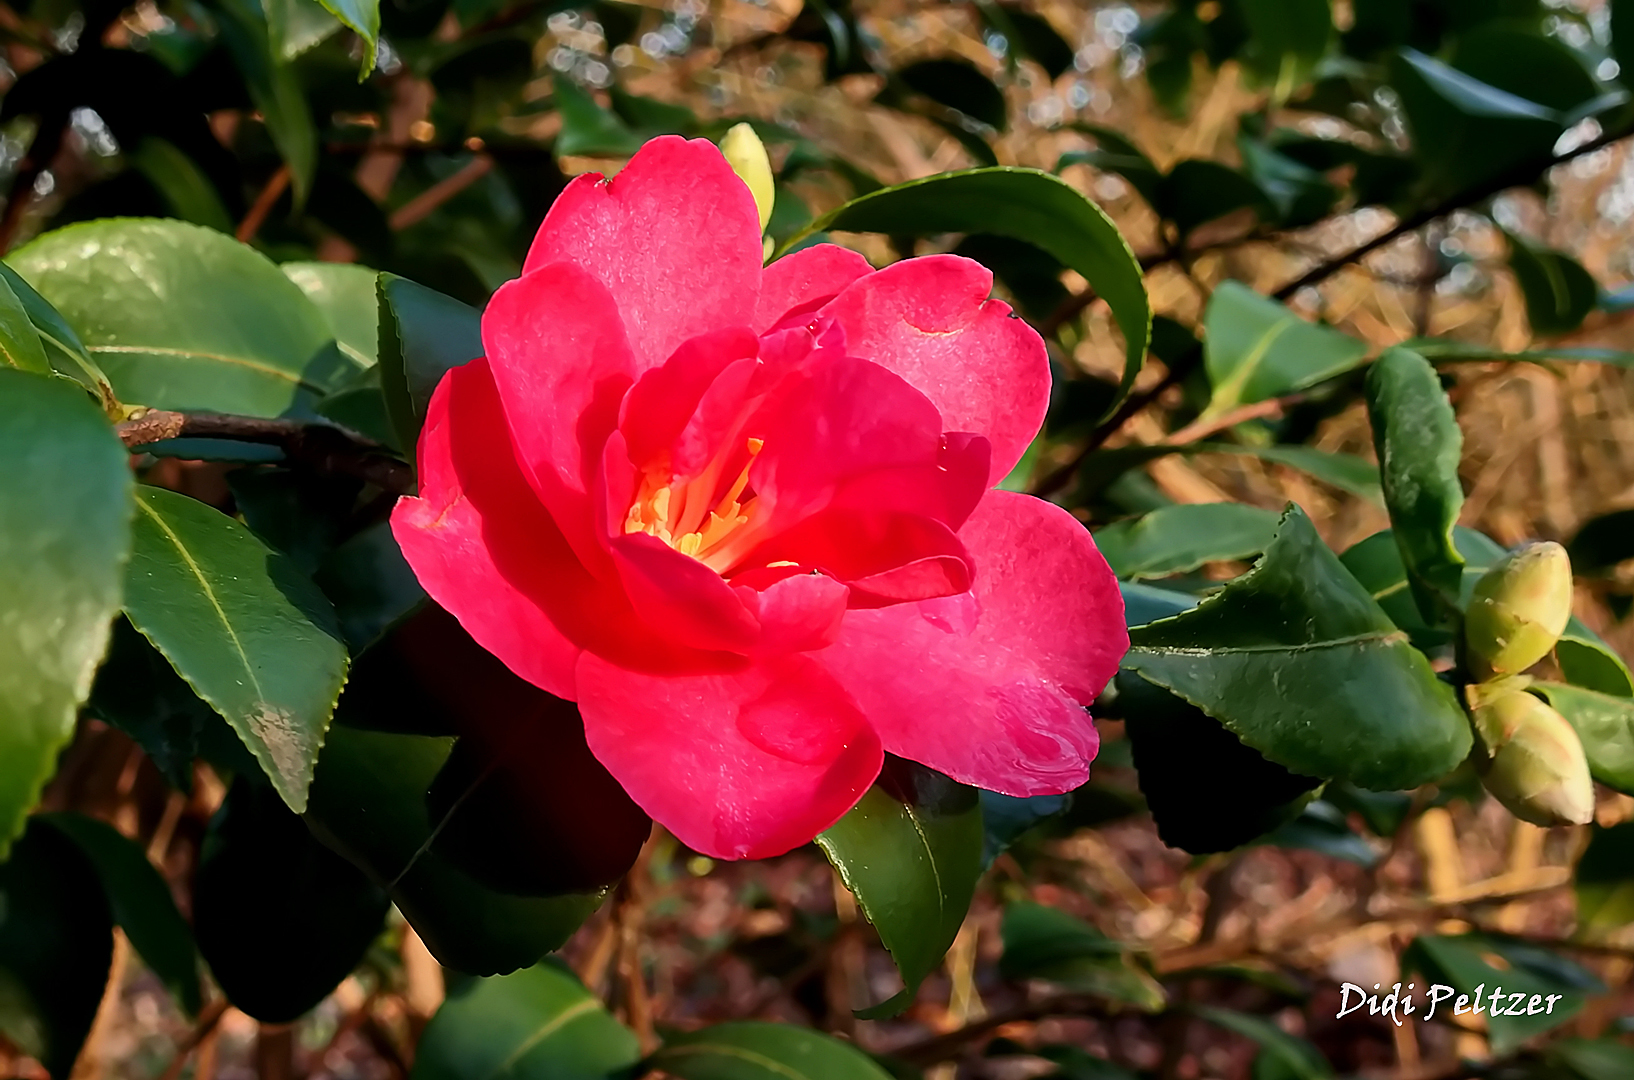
(209,1017)
(263,205)
(421,206)
(1204,426)
(323,447)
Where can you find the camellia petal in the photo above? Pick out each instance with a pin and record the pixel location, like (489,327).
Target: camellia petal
(989,687)
(675,238)
(806,279)
(738,766)
(930,321)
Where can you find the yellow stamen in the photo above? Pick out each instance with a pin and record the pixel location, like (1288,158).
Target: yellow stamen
(662,505)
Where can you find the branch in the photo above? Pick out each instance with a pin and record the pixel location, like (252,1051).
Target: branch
(325,448)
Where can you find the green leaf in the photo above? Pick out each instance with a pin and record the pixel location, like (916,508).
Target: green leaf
(138,692)
(1116,154)
(750,1050)
(295,26)
(1355,701)
(362,17)
(1006,818)
(1559,293)
(1175,539)
(1605,724)
(63,350)
(1050,945)
(537,1024)
(344,293)
(371,585)
(140,901)
(588,129)
(1605,881)
(251,634)
(1286,39)
(280,918)
(183,317)
(1416,437)
(910,851)
(1525,63)
(1587,661)
(1023,204)
(1147,603)
(20,345)
(1321,827)
(275,89)
(56,945)
(1254,348)
(1299,195)
(1290,1056)
(422,334)
(1206,789)
(1346,472)
(1444,349)
(185,189)
(64,539)
(1196,192)
(1465,132)
(1490,962)
(958,85)
(1591,1059)
(1029,35)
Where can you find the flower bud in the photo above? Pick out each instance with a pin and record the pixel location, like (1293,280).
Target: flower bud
(747,155)
(1518,611)
(1530,758)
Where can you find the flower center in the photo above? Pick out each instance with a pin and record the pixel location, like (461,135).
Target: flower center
(679,512)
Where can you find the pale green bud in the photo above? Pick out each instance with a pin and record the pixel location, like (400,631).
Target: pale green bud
(1518,611)
(747,155)
(1530,758)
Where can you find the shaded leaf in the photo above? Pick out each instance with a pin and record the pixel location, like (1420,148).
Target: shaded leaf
(1175,539)
(188,192)
(251,634)
(1417,439)
(1605,724)
(138,692)
(1602,542)
(751,1050)
(56,945)
(371,585)
(1146,603)
(1196,192)
(1559,293)
(1355,701)
(1472,961)
(1116,154)
(274,88)
(587,128)
(1605,880)
(1029,35)
(1525,63)
(140,901)
(182,317)
(1006,818)
(423,333)
(1289,1055)
(1023,204)
(1321,827)
(280,918)
(537,1024)
(1286,39)
(64,539)
(958,85)
(1043,943)
(1255,348)
(910,851)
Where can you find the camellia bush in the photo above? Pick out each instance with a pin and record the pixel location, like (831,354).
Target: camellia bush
(471,489)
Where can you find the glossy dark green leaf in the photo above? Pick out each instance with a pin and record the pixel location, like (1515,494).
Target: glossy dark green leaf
(1032,277)
(1050,945)
(1175,539)
(1023,204)
(182,317)
(1418,443)
(910,851)
(1006,818)
(1355,701)
(1292,1056)
(423,333)
(293,511)
(56,945)
(536,1024)
(1029,35)
(1321,827)
(1465,962)
(1207,791)
(751,1050)
(1196,192)
(275,89)
(1591,1059)
(1465,132)
(64,539)
(20,345)
(279,917)
(1605,724)
(587,127)
(1530,65)
(138,692)
(958,85)
(63,349)
(1255,348)
(1286,39)
(1559,293)
(1147,603)
(1605,880)
(140,901)
(1114,153)
(369,803)
(185,189)
(344,293)
(250,633)
(371,585)
(1299,195)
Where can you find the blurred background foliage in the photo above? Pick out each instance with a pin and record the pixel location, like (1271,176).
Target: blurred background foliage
(1448,173)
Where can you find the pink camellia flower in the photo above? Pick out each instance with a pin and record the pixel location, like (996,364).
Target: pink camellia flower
(745,517)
